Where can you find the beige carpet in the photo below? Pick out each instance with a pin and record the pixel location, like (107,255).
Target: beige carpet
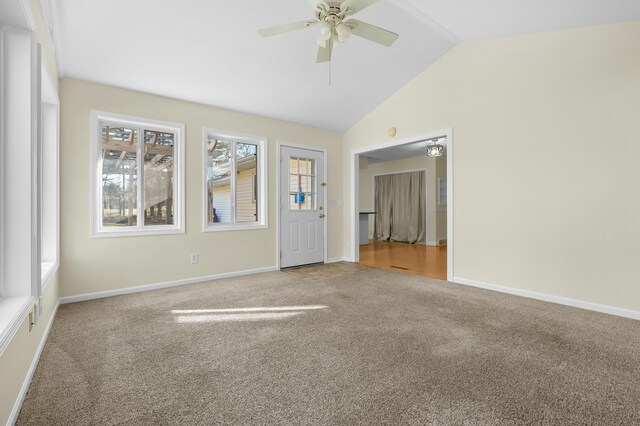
(340,344)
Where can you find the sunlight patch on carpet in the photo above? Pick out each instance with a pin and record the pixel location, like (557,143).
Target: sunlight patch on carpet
(183,319)
(261,313)
(257,309)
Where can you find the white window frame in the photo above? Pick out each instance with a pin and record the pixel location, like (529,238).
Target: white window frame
(20,281)
(97,230)
(261,143)
(49,153)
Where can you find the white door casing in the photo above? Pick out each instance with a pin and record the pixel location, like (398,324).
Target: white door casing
(302,209)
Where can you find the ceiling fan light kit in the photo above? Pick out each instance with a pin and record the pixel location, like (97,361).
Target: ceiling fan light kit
(334,27)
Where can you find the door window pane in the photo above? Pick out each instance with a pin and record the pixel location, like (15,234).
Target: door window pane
(119,176)
(158,177)
(302,184)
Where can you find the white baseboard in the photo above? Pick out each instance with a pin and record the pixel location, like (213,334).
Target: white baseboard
(432,243)
(606,309)
(156,286)
(13,417)
(336,259)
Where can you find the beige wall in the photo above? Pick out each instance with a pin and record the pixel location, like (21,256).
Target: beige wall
(90,265)
(545,133)
(369,170)
(18,356)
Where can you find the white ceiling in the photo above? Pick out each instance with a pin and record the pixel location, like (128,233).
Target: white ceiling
(482,19)
(400,152)
(208,51)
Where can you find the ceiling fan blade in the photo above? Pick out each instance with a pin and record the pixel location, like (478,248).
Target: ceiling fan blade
(314,3)
(281,29)
(324,53)
(373,33)
(356,5)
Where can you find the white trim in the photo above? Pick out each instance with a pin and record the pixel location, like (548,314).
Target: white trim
(606,309)
(450,233)
(36,167)
(280,144)
(47,12)
(51,100)
(428,21)
(337,259)
(47,274)
(234,227)
(263,177)
(166,284)
(28,15)
(355,189)
(8,330)
(432,243)
(3,106)
(56,40)
(178,227)
(13,417)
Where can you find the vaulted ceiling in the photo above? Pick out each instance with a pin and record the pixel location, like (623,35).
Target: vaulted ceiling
(208,51)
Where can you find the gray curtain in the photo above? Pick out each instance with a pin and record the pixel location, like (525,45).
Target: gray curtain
(400,207)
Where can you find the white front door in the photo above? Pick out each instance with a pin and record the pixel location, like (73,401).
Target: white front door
(302,210)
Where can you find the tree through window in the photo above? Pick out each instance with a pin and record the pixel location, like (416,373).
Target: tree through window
(139,176)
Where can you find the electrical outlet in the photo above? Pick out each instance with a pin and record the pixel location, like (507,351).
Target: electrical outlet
(194,258)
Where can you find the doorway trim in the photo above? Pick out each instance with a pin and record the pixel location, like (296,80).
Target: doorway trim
(355,189)
(279,206)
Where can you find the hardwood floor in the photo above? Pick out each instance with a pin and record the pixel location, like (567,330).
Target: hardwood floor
(417,259)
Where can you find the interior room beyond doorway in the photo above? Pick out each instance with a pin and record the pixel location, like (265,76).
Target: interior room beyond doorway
(403,210)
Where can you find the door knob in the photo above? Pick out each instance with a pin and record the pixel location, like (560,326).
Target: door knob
(321,216)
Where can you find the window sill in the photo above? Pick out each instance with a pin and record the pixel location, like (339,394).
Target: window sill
(48,269)
(218,228)
(137,233)
(12,312)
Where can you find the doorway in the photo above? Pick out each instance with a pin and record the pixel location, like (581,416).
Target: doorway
(302,228)
(430,255)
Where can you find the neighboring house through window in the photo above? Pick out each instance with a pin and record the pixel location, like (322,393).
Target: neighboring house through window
(235,181)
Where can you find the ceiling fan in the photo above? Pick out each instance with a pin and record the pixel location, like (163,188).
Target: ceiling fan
(335,25)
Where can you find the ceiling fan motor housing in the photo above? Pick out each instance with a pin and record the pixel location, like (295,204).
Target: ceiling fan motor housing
(333,15)
(334,27)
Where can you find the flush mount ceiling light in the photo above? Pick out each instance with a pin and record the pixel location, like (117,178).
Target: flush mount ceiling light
(334,27)
(435,149)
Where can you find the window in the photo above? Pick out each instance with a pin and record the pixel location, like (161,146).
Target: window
(235,181)
(20,284)
(49,183)
(138,176)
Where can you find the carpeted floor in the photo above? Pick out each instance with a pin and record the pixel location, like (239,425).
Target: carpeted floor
(339,344)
